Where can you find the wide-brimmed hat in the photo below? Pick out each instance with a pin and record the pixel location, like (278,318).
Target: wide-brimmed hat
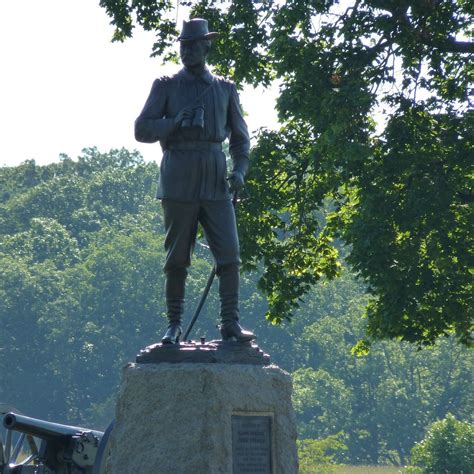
(196,29)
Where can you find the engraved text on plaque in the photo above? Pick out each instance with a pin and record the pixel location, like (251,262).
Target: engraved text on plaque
(251,444)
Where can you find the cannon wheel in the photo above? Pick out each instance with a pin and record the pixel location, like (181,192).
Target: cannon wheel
(17,450)
(103,451)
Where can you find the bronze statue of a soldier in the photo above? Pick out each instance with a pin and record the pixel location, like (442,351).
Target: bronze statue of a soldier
(191,114)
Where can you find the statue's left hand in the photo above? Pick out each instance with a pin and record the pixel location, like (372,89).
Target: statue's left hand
(236,181)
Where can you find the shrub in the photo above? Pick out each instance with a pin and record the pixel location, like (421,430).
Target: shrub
(448,448)
(316,456)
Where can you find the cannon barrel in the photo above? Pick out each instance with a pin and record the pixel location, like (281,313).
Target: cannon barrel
(43,429)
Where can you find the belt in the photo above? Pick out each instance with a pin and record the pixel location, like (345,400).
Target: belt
(194,145)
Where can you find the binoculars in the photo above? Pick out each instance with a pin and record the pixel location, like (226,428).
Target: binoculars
(196,121)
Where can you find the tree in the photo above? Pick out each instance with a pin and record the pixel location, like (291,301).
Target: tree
(80,294)
(45,240)
(78,262)
(30,297)
(400,192)
(316,456)
(383,401)
(322,400)
(448,447)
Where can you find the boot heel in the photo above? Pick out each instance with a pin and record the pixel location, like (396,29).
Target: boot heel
(225,335)
(232,329)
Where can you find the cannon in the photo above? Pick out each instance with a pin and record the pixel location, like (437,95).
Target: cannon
(33,446)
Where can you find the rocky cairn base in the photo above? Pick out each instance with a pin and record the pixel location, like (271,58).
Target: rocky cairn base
(204,417)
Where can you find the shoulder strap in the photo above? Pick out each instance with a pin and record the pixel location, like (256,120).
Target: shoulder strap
(203,93)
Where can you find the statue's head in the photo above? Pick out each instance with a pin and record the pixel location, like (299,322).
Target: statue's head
(195,42)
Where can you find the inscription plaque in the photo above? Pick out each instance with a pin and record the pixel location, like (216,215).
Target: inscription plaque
(251,444)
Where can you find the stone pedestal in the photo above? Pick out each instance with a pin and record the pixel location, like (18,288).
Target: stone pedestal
(204,418)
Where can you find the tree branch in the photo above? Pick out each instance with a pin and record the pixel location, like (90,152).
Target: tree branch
(450,45)
(466,198)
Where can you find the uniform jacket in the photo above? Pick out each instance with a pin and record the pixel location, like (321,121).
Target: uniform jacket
(194,174)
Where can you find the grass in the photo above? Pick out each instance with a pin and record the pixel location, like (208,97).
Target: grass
(348,469)
(367,470)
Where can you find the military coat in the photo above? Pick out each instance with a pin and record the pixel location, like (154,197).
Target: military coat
(193,165)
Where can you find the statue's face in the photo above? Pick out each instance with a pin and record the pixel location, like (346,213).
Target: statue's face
(193,53)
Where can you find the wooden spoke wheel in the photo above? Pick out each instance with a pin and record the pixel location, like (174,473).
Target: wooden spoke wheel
(103,451)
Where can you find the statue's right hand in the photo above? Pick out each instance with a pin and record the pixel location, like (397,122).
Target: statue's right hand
(185,113)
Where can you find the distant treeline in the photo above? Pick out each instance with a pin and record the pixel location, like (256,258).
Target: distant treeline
(81,291)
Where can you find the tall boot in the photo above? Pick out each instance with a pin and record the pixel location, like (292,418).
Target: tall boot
(174,293)
(229,281)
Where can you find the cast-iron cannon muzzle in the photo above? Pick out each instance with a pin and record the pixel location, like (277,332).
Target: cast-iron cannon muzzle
(43,429)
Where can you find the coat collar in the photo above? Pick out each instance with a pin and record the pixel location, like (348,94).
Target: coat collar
(206,76)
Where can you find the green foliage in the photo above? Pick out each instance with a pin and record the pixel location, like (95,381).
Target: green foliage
(82,291)
(417,250)
(382,401)
(412,470)
(316,455)
(46,239)
(400,191)
(282,230)
(29,297)
(322,400)
(77,280)
(448,447)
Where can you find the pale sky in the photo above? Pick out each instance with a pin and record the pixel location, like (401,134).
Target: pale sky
(64,86)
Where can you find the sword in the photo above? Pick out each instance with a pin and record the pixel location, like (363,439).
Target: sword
(210,280)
